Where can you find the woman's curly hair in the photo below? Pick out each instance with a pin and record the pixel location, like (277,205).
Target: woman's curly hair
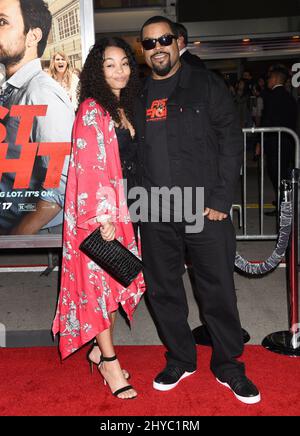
(93,83)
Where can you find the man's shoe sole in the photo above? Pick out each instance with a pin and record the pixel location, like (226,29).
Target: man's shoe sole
(246,400)
(164,388)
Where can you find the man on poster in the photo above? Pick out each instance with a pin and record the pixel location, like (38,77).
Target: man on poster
(24,30)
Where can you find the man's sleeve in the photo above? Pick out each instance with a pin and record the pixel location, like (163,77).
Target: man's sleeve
(223,117)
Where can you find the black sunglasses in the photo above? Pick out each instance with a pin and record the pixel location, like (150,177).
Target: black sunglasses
(164,40)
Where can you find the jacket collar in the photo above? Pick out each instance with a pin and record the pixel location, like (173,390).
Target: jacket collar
(25,73)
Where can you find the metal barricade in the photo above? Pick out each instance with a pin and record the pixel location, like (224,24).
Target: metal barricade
(263,131)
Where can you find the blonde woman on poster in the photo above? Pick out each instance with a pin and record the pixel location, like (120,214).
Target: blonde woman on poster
(61,71)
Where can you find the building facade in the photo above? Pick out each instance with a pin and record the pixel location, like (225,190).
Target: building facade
(65,33)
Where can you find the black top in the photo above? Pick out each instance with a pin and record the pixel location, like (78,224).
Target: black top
(128,151)
(156,150)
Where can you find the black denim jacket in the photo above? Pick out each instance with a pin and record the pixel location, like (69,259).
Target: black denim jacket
(205,142)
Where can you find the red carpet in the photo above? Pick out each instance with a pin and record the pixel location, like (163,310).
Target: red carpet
(34,382)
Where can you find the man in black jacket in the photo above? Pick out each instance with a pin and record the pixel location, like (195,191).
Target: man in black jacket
(185,54)
(189,137)
(280,111)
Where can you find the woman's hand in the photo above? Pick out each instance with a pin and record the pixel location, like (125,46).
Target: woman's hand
(108,231)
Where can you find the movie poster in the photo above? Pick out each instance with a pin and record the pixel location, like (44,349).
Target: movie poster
(39,69)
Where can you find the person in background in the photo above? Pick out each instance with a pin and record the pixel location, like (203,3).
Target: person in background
(257,105)
(103,132)
(60,70)
(185,54)
(264,90)
(249,82)
(262,83)
(280,111)
(241,100)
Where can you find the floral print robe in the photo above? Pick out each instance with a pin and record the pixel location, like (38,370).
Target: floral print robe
(94,189)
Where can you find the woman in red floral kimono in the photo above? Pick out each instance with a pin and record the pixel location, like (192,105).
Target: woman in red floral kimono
(89,297)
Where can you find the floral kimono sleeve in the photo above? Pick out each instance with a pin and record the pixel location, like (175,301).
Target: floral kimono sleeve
(95,197)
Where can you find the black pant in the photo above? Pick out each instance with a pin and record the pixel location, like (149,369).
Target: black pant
(212,253)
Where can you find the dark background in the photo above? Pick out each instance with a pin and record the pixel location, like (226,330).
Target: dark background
(213,10)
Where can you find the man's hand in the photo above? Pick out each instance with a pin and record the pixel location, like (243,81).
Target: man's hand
(214,215)
(108,231)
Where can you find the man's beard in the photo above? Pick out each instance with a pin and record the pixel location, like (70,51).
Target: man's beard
(9,60)
(162,70)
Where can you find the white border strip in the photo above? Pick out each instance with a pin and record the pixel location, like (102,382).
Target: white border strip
(21,268)
(87,27)
(25,269)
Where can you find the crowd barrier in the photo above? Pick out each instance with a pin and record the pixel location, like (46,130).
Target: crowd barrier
(263,132)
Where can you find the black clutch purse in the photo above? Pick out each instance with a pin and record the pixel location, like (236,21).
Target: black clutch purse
(113,257)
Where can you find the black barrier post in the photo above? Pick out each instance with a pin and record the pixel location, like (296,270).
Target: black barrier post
(288,342)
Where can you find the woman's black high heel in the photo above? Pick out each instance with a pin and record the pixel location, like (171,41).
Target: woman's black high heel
(121,390)
(92,363)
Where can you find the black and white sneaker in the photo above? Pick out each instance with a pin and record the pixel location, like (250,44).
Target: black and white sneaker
(169,378)
(243,388)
